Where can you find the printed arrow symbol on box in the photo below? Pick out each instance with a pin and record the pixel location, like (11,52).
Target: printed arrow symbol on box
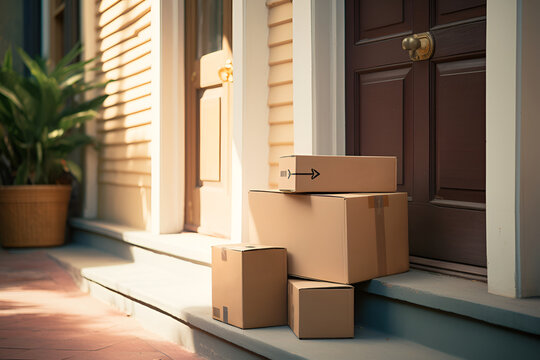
(314,173)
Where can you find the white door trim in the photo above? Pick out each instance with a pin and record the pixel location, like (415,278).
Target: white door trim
(250,110)
(319,77)
(168,117)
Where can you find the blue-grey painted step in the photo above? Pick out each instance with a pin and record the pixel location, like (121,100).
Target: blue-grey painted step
(451,315)
(159,297)
(450,333)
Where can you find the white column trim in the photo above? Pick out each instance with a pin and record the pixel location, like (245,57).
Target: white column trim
(168,124)
(302,77)
(502,108)
(319,77)
(250,111)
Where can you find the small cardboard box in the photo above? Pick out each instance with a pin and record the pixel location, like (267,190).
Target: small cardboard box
(306,173)
(321,309)
(344,238)
(249,285)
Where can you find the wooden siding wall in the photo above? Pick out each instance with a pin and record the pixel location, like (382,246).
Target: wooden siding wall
(280,83)
(123,51)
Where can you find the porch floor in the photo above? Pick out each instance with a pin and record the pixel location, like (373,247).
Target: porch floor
(44,315)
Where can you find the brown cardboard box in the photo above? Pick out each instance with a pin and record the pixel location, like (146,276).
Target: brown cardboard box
(303,173)
(249,285)
(344,238)
(321,309)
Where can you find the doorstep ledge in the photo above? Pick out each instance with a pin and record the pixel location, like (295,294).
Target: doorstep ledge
(464,297)
(186,246)
(460,296)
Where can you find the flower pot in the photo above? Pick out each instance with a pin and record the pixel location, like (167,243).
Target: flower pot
(33,215)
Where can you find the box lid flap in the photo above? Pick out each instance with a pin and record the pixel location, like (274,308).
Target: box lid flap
(309,284)
(246,247)
(335,195)
(339,156)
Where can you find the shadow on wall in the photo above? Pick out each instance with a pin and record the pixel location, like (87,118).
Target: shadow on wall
(123,50)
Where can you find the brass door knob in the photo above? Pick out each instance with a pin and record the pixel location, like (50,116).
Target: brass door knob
(420,46)
(226,72)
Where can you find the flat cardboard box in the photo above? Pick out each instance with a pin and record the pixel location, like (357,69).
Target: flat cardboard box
(321,309)
(306,173)
(249,285)
(343,238)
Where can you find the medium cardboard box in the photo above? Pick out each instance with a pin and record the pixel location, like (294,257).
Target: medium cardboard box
(306,173)
(249,285)
(321,309)
(344,238)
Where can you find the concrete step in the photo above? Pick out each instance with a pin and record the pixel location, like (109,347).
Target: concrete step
(176,305)
(165,282)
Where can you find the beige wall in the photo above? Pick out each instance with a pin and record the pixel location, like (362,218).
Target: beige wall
(280,85)
(123,49)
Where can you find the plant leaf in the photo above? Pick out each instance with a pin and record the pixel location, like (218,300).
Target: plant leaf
(11,96)
(92,104)
(22,174)
(70,121)
(74,169)
(69,57)
(72,69)
(66,144)
(32,65)
(8,60)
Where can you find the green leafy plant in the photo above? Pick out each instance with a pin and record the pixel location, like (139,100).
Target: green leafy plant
(41,116)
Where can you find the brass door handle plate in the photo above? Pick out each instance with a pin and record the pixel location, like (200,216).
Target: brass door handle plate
(420,46)
(226,72)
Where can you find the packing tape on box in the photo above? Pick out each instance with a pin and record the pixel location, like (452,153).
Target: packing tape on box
(379,202)
(225,314)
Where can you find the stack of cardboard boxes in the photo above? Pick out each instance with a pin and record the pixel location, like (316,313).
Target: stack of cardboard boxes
(335,221)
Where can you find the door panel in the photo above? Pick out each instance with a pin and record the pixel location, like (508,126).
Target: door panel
(445,234)
(210,135)
(208,122)
(460,130)
(450,40)
(448,11)
(386,116)
(394,16)
(430,114)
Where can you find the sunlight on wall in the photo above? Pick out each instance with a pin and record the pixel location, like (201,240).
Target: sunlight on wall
(124,126)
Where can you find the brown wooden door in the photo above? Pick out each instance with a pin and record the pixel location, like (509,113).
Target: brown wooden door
(430,114)
(208,116)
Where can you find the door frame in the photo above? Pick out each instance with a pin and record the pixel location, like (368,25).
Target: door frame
(192,152)
(249,138)
(504,247)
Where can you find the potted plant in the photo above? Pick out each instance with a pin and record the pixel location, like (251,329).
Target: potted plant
(40,125)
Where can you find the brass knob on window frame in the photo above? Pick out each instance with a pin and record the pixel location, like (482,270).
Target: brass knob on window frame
(226,72)
(420,46)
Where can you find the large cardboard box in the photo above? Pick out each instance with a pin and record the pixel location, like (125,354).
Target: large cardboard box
(344,238)
(320,309)
(306,173)
(249,285)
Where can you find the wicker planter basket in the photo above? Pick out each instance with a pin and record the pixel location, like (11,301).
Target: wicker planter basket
(33,215)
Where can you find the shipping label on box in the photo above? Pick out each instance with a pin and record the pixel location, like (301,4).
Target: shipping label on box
(307,173)
(249,285)
(321,309)
(344,238)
